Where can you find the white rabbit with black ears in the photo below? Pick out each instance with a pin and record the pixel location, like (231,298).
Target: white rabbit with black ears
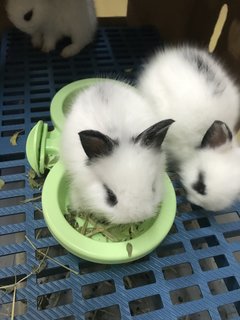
(47,21)
(111,149)
(189,85)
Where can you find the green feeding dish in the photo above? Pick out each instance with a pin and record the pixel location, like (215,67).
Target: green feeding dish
(97,249)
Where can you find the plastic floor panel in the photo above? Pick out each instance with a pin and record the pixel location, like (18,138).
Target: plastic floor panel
(193,274)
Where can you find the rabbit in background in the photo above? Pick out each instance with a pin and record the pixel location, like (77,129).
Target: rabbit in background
(189,85)
(47,21)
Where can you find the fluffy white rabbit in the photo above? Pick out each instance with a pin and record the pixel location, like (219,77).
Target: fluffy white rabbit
(111,149)
(47,21)
(193,88)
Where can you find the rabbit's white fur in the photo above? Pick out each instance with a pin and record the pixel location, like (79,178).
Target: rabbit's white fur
(190,86)
(54,19)
(131,171)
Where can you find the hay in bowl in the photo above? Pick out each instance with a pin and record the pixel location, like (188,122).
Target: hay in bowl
(145,237)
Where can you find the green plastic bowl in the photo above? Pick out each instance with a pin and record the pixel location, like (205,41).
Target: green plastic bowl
(55,203)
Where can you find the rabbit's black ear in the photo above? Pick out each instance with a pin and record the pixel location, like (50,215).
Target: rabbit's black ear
(217,135)
(96,144)
(153,136)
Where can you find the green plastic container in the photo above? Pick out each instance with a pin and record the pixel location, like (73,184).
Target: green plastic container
(55,202)
(42,151)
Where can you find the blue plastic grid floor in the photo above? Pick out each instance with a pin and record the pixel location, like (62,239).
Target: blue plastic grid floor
(194,274)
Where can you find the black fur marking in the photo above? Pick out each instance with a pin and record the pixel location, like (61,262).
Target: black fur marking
(28,15)
(203,67)
(200,186)
(111,197)
(198,61)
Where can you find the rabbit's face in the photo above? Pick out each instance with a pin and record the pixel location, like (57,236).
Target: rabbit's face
(129,184)
(212,177)
(26,15)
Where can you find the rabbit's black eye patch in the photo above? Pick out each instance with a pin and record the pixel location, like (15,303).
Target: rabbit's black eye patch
(200,186)
(111,197)
(28,15)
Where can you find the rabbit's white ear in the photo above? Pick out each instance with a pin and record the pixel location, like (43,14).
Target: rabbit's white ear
(154,135)
(217,135)
(96,144)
